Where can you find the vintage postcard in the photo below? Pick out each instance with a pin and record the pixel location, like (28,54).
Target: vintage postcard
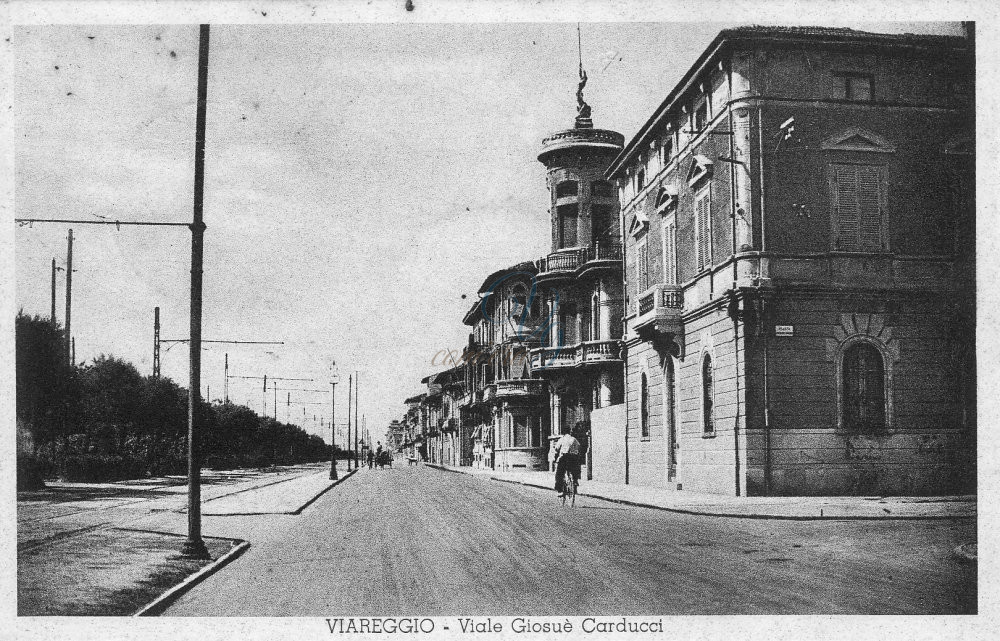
(531,320)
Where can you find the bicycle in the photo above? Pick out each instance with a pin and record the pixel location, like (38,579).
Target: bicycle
(569,488)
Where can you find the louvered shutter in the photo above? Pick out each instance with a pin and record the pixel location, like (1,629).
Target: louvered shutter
(870,208)
(670,254)
(846,207)
(704,232)
(642,256)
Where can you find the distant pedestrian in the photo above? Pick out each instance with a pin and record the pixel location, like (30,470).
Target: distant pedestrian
(371,459)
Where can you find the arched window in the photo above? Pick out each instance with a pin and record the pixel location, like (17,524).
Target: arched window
(644,401)
(864,389)
(708,395)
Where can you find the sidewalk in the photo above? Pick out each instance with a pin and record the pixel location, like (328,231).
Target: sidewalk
(756,507)
(110,548)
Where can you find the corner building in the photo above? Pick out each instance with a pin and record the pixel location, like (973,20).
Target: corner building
(799,232)
(580,282)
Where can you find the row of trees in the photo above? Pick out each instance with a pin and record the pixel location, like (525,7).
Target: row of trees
(106,421)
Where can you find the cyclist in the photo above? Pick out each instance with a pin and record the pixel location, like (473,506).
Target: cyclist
(567,453)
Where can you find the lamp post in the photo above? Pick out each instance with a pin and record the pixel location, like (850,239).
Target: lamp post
(334,378)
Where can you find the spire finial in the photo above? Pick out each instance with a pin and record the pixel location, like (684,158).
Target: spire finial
(583,120)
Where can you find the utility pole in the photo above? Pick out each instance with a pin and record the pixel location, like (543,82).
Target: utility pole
(69,293)
(156,342)
(349,388)
(274,384)
(52,314)
(225,388)
(194,546)
(288,409)
(357,388)
(72,351)
(263,399)
(333,426)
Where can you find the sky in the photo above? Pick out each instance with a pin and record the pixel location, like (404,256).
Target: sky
(361,182)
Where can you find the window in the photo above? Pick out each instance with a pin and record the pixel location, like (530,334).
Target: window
(566,188)
(644,402)
(602,189)
(603,225)
(520,425)
(670,252)
(701,117)
(567,215)
(667,150)
(858,211)
(642,265)
(863,389)
(708,395)
(595,318)
(857,87)
(703,231)
(568,324)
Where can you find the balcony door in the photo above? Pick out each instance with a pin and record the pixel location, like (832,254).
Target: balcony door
(567,225)
(569,322)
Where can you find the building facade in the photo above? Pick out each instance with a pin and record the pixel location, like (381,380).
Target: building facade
(579,281)
(505,410)
(798,223)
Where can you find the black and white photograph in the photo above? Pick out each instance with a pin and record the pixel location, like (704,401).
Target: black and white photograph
(532,320)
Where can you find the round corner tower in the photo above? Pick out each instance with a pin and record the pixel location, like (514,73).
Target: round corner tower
(583,204)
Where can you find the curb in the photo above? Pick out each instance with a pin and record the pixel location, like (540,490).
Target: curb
(343,477)
(777,517)
(162,602)
(297,510)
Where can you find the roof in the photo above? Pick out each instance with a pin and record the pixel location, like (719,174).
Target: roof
(491,280)
(725,39)
(415,399)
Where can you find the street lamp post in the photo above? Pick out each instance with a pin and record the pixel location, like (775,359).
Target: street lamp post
(333,427)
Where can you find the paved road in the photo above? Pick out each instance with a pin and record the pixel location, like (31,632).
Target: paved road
(412,541)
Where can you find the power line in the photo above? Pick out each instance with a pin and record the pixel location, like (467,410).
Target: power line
(116,223)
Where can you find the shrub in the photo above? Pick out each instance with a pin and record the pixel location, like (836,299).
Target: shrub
(30,473)
(99,468)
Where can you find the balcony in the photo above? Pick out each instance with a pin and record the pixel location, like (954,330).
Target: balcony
(546,358)
(579,355)
(574,261)
(520,387)
(659,310)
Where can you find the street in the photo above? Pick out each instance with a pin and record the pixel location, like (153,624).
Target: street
(407,541)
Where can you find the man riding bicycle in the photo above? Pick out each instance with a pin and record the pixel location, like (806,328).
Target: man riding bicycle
(567,453)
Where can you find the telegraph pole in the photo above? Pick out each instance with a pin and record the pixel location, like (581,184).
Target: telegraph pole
(194,546)
(69,292)
(52,314)
(225,389)
(357,388)
(156,342)
(333,427)
(349,388)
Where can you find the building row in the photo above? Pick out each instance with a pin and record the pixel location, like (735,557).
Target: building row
(769,290)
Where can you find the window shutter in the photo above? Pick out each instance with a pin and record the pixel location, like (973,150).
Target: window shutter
(670,255)
(704,232)
(643,267)
(870,206)
(845,192)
